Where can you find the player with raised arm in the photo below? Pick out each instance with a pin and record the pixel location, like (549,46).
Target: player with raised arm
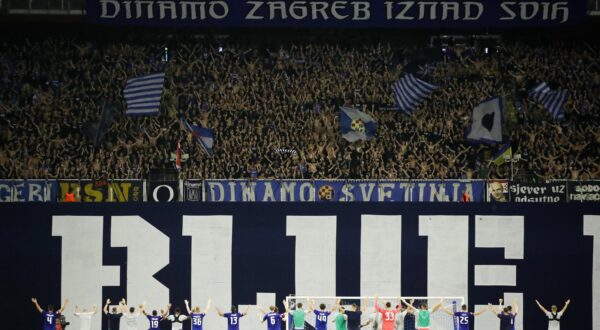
(374,319)
(49,316)
(132,316)
(85,317)
(321,315)
(196,314)
(298,315)
(409,318)
(273,318)
(233,318)
(113,318)
(405,320)
(464,318)
(423,314)
(341,319)
(388,314)
(553,315)
(154,318)
(354,317)
(507,319)
(176,319)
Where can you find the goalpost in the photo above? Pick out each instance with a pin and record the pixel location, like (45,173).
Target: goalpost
(439,320)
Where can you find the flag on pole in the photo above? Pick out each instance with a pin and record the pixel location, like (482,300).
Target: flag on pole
(504,154)
(487,119)
(143,94)
(410,91)
(553,101)
(178,157)
(204,136)
(356,125)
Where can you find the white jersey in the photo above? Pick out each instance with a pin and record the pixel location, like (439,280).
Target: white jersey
(131,321)
(375,319)
(177,325)
(399,321)
(85,320)
(553,324)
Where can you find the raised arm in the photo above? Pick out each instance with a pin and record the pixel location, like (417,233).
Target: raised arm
(122,306)
(167,311)
(379,309)
(105,309)
(261,312)
(36,305)
(76,310)
(187,306)
(566,305)
(541,307)
(409,304)
(493,309)
(246,311)
(143,310)
(515,307)
(286,306)
(480,312)
(436,307)
(207,305)
(336,306)
(447,311)
(63,307)
(95,310)
(219,311)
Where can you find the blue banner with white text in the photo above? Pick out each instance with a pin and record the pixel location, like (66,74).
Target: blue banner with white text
(342,190)
(28,190)
(337,13)
(253,255)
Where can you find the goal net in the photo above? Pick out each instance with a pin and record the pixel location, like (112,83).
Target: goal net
(439,319)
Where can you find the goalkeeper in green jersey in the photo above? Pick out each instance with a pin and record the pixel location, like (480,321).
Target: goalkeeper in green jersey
(423,314)
(297,314)
(341,320)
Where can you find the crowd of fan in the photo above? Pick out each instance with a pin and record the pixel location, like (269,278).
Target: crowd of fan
(274,109)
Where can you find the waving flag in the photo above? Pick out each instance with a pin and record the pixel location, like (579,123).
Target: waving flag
(143,94)
(486,126)
(356,125)
(504,154)
(551,100)
(204,136)
(410,91)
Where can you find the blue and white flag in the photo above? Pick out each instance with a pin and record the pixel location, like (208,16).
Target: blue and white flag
(551,100)
(143,94)
(356,125)
(410,91)
(487,119)
(204,136)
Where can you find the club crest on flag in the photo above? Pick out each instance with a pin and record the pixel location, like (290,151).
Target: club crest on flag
(358,125)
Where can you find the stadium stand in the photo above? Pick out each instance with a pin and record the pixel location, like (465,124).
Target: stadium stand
(274,107)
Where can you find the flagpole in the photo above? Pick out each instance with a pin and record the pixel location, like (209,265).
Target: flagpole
(512,162)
